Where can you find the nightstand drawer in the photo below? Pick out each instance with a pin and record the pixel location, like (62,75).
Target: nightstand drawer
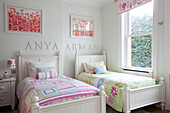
(5,100)
(7,92)
(5,87)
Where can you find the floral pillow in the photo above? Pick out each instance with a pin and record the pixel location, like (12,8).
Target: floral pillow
(46,69)
(100,69)
(46,75)
(90,66)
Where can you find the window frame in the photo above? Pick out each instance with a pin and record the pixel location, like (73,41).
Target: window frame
(126,61)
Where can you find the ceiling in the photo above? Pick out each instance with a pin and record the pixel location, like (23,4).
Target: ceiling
(95,3)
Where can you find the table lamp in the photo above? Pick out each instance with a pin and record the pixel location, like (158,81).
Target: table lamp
(11,63)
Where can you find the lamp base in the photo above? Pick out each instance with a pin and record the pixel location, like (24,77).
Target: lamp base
(13,72)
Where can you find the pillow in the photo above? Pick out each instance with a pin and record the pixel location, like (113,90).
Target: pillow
(100,69)
(32,67)
(46,69)
(47,75)
(90,66)
(85,67)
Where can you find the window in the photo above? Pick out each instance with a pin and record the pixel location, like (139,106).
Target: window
(137,40)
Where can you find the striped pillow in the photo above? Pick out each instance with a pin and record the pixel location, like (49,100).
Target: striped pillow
(46,69)
(47,75)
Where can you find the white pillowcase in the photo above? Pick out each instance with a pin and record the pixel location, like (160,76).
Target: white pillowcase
(85,67)
(33,67)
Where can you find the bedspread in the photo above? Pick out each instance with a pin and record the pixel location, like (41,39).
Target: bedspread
(51,91)
(114,83)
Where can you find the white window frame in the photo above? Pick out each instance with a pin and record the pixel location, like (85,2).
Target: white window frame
(122,33)
(127,64)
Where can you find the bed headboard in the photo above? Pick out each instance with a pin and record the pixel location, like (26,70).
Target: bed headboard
(79,59)
(23,68)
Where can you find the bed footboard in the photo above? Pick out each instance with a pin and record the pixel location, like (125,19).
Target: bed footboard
(136,98)
(94,104)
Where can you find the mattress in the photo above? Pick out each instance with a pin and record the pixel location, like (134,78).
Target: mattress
(114,84)
(50,91)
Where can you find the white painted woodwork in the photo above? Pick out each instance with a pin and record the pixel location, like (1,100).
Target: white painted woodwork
(87,58)
(23,67)
(102,99)
(126,99)
(167,51)
(162,82)
(94,104)
(147,96)
(7,92)
(167,92)
(132,98)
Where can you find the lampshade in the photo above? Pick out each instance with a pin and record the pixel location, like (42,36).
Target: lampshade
(11,63)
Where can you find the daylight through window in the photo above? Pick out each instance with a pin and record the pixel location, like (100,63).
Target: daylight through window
(139,26)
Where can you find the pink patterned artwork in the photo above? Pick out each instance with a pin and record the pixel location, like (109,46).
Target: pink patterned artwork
(82,27)
(25,20)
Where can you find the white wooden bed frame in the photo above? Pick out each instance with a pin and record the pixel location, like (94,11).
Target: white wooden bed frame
(132,98)
(94,104)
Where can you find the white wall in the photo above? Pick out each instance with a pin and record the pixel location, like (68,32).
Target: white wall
(56,30)
(110,35)
(11,43)
(81,10)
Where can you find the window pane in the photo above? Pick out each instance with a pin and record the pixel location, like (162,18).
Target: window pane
(141,51)
(141,19)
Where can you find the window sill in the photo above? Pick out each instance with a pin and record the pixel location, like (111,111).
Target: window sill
(138,69)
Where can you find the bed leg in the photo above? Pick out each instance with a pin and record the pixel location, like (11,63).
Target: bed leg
(162,93)
(35,105)
(103,99)
(162,106)
(126,99)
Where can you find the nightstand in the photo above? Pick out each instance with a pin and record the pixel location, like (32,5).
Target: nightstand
(7,92)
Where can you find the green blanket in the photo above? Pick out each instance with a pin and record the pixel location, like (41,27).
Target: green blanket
(114,83)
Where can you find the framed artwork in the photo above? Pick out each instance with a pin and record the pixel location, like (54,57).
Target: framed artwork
(21,19)
(82,27)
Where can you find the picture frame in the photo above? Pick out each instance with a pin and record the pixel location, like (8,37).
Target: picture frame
(82,27)
(23,19)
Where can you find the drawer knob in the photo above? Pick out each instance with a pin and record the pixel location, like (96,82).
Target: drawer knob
(2,99)
(2,88)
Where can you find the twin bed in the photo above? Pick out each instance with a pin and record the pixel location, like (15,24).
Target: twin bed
(59,95)
(37,100)
(125,92)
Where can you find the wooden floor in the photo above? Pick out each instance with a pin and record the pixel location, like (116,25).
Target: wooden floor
(151,109)
(7,109)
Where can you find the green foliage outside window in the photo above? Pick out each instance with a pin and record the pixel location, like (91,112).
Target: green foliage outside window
(141,46)
(143,24)
(141,51)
